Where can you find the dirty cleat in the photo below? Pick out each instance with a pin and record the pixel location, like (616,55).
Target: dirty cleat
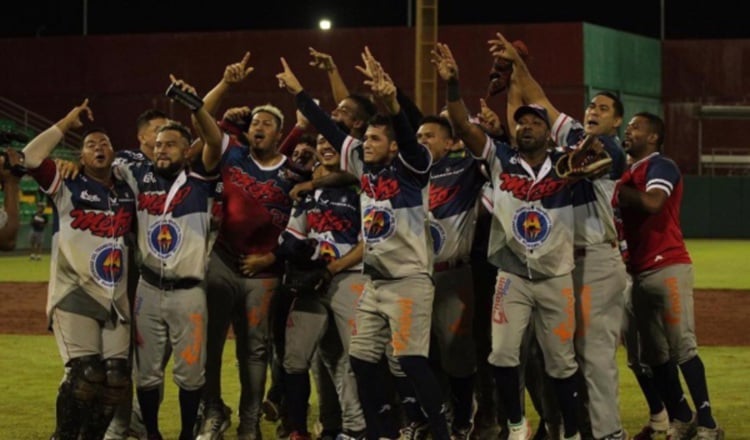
(679,430)
(215,423)
(710,433)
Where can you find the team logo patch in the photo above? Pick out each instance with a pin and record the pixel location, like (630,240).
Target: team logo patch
(531,226)
(106,264)
(378,223)
(164,238)
(328,251)
(438,236)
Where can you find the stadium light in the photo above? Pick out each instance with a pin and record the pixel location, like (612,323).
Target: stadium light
(325,24)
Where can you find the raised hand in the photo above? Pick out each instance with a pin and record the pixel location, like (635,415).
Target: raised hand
(237,72)
(488,119)
(502,48)
(73,119)
(287,79)
(321,60)
(444,62)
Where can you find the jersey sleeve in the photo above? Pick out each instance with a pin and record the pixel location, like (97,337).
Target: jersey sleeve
(47,176)
(351,156)
(415,156)
(662,174)
(566,130)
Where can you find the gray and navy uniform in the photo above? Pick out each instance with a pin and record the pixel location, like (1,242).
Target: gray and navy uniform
(170,307)
(87,303)
(455,184)
(330,217)
(531,242)
(599,279)
(396,305)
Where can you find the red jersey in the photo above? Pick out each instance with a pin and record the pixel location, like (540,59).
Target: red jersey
(654,240)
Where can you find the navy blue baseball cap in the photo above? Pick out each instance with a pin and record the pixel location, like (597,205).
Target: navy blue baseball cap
(533,109)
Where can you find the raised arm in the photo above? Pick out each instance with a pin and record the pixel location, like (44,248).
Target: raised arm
(233,73)
(473,136)
(206,126)
(530,90)
(309,108)
(42,145)
(325,62)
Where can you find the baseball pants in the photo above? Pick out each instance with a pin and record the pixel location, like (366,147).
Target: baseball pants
(599,279)
(175,318)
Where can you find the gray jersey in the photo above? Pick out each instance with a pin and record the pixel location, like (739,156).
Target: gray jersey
(173,219)
(87,267)
(394,212)
(592,199)
(532,225)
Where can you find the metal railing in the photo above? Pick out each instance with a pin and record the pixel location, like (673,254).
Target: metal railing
(33,123)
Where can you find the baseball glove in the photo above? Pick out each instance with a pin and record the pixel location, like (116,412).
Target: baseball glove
(502,68)
(306,281)
(587,160)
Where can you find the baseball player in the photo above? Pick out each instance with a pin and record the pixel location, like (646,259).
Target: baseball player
(531,241)
(127,419)
(325,225)
(649,196)
(243,272)
(396,303)
(87,305)
(174,205)
(599,275)
(455,184)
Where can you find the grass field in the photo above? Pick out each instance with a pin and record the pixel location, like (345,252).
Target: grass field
(32,369)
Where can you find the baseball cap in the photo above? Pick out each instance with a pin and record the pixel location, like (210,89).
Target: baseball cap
(533,109)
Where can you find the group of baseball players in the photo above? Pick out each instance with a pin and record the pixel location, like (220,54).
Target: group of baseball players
(351,258)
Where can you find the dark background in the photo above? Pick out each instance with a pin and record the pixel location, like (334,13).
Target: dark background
(682,19)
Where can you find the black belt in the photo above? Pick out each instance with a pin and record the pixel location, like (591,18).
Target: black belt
(580,252)
(448,265)
(156,280)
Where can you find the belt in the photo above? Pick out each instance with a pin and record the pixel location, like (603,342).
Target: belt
(448,265)
(156,280)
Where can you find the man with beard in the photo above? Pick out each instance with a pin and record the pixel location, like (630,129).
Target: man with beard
(531,242)
(599,275)
(243,272)
(173,211)
(649,196)
(87,305)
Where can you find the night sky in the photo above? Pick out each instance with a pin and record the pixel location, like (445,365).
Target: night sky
(45,18)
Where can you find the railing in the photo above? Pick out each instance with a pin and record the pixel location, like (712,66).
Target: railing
(34,123)
(726,161)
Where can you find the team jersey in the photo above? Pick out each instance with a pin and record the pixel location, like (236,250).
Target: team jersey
(88,243)
(654,240)
(331,217)
(455,182)
(532,227)
(394,212)
(173,218)
(592,207)
(255,202)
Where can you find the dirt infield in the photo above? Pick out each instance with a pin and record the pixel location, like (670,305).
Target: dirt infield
(720,314)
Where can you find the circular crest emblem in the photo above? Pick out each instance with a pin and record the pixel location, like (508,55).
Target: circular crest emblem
(328,251)
(438,236)
(164,238)
(531,226)
(378,223)
(106,264)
